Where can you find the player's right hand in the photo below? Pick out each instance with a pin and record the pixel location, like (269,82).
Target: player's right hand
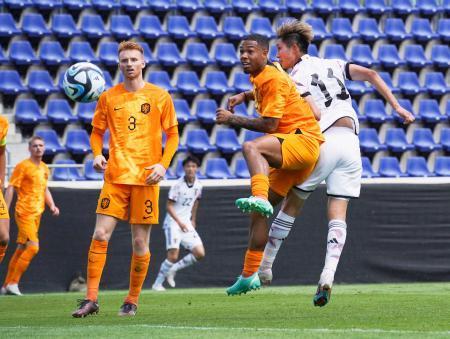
(183,227)
(406,115)
(99,163)
(235,100)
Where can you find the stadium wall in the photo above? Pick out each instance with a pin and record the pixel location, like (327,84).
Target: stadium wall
(397,233)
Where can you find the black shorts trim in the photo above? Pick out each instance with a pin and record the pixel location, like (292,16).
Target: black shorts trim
(342,196)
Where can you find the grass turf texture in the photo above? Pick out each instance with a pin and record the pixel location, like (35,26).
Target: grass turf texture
(355,311)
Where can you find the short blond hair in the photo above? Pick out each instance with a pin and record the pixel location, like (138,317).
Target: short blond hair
(124,45)
(295,31)
(34,138)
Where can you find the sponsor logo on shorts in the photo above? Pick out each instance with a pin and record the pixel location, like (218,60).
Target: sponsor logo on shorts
(105,203)
(145,108)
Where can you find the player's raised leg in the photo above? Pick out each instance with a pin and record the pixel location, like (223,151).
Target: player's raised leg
(197,254)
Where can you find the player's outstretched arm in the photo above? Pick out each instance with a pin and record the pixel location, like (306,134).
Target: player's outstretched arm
(261,124)
(96,141)
(51,203)
(365,74)
(239,98)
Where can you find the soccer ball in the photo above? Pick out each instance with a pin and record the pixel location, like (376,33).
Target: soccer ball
(83,82)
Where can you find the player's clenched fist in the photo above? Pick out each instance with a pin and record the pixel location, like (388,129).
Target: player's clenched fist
(99,163)
(223,116)
(235,100)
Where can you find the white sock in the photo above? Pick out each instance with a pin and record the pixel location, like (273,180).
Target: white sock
(279,230)
(337,233)
(188,260)
(165,267)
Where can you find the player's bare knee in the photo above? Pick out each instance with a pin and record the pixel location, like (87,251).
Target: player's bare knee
(139,244)
(199,252)
(172,255)
(249,147)
(101,235)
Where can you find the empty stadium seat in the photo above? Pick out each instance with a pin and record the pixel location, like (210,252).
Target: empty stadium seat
(81,51)
(395,30)
(415,56)
(76,5)
(367,170)
(183,112)
(243,6)
(408,82)
(369,141)
(105,5)
(445,139)
(341,29)
(41,83)
(134,5)
(357,88)
(361,117)
(21,53)
(197,54)
(421,30)
(262,26)
(423,140)
(178,27)
(8,26)
(297,6)
(319,29)
(389,57)
(47,4)
(396,140)
(108,79)
(375,111)
(323,7)
(189,6)
(161,79)
(242,82)
(169,55)
(272,7)
(189,84)
(59,112)
(368,30)
(162,5)
(217,6)
(85,111)
(51,53)
(390,167)
(217,168)
(334,51)
(241,169)
(440,56)
(443,30)
(403,7)
(92,26)
(206,111)
(90,173)
(225,54)
(388,80)
(3,58)
(442,166)
(148,55)
(350,7)
(362,55)
(376,7)
(10,82)
(241,110)
(312,50)
(435,83)
(417,167)
(52,144)
(66,173)
(63,26)
(122,28)
(251,135)
(33,25)
(234,28)
(197,141)
(107,52)
(429,111)
(206,28)
(150,27)
(27,112)
(273,53)
(78,142)
(227,141)
(217,83)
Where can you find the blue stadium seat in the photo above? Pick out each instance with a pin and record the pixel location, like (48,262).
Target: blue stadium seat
(59,112)
(183,112)
(8,26)
(148,55)
(447,109)
(429,7)
(225,54)
(273,51)
(375,111)
(417,167)
(19,4)
(335,51)
(341,29)
(188,83)
(162,5)
(122,27)
(107,52)
(217,6)
(443,29)
(41,83)
(197,141)
(242,82)
(217,168)
(85,111)
(323,7)
(66,173)
(10,82)
(27,112)
(388,80)
(76,5)
(106,139)
(227,141)
(435,83)
(197,54)
(241,170)
(108,79)
(92,26)
(81,51)
(262,26)
(33,25)
(403,7)
(21,53)
(312,50)
(3,58)
(415,56)
(251,135)
(150,27)
(445,139)
(178,27)
(52,144)
(217,83)
(206,28)
(361,117)
(357,88)
(440,56)
(389,57)
(51,53)
(421,30)
(77,142)
(446,6)
(169,175)
(369,31)
(46,5)
(169,55)
(369,141)
(396,140)
(442,166)
(243,6)
(105,5)
(90,173)
(367,170)
(362,55)
(161,79)
(423,140)
(319,29)
(297,6)
(272,7)
(189,6)
(234,28)
(376,7)
(350,7)
(429,111)
(63,26)
(395,30)
(206,111)
(408,82)
(390,167)
(134,5)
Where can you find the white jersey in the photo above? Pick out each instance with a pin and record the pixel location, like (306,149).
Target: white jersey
(325,79)
(184,196)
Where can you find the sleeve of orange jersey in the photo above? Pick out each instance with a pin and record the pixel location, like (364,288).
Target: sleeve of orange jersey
(96,141)
(17,176)
(99,119)
(169,124)
(273,94)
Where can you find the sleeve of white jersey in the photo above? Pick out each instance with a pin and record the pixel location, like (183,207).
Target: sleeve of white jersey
(174,192)
(343,67)
(300,79)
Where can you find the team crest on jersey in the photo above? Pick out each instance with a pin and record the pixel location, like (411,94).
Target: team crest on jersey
(145,108)
(105,203)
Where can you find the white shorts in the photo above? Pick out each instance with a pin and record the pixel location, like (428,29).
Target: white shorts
(339,165)
(175,236)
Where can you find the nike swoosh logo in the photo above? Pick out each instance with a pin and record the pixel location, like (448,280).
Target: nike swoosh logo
(147,217)
(116,109)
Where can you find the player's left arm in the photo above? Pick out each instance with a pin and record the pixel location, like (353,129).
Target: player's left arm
(51,203)
(260,124)
(194,213)
(361,73)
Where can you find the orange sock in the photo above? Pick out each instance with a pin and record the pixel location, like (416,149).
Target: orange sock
(138,272)
(260,185)
(96,263)
(23,261)
(12,265)
(2,251)
(251,262)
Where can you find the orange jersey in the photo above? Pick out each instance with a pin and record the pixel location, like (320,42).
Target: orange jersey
(136,121)
(276,96)
(30,182)
(3,130)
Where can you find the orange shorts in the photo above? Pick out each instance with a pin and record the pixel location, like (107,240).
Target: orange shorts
(28,228)
(4,214)
(300,154)
(134,203)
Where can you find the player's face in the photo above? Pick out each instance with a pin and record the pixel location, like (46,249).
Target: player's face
(190,169)
(288,56)
(253,57)
(131,63)
(37,148)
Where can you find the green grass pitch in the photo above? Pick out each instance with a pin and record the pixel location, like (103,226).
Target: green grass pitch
(355,311)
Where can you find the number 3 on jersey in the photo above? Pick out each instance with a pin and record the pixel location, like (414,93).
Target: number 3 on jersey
(131,123)
(315,81)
